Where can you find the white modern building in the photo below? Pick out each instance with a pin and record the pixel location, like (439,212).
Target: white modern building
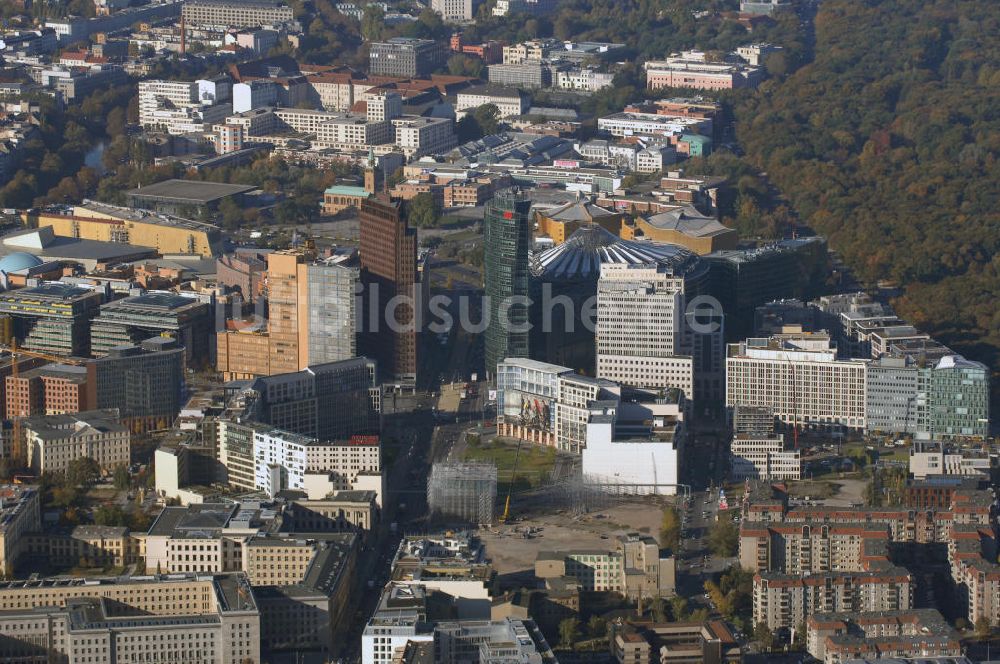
(279,460)
(255,94)
(650,124)
(184,107)
(635,448)
(400,618)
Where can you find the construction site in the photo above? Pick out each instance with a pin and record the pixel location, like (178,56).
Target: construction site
(463,492)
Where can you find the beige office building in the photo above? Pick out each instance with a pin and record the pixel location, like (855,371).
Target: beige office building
(54,441)
(20,514)
(111,620)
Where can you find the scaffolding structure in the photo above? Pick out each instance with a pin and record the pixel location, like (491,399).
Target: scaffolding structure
(463,491)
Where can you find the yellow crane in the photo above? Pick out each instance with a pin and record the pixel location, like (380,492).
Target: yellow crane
(510,487)
(18,448)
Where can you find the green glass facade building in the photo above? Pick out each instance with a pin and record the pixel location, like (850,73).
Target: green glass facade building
(959,398)
(507,233)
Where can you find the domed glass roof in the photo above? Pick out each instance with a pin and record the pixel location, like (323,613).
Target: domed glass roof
(18,261)
(583,253)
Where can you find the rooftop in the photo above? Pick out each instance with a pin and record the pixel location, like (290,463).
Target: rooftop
(689,221)
(14,499)
(191,191)
(51,290)
(155,302)
(583,253)
(113,213)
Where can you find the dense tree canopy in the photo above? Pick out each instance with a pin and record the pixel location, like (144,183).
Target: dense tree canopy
(888,143)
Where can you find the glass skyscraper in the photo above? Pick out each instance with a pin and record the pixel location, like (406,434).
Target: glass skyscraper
(507,241)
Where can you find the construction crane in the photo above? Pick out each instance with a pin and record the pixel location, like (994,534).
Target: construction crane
(510,486)
(17,447)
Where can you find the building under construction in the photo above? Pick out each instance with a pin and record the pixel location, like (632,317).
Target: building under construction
(465,492)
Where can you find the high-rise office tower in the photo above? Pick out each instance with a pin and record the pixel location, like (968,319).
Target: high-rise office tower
(507,241)
(311,320)
(388,269)
(332,312)
(284,290)
(640,319)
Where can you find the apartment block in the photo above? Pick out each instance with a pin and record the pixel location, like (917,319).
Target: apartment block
(183,107)
(811,560)
(833,638)
(787,600)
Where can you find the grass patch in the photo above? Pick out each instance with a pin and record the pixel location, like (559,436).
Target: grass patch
(534,463)
(463,235)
